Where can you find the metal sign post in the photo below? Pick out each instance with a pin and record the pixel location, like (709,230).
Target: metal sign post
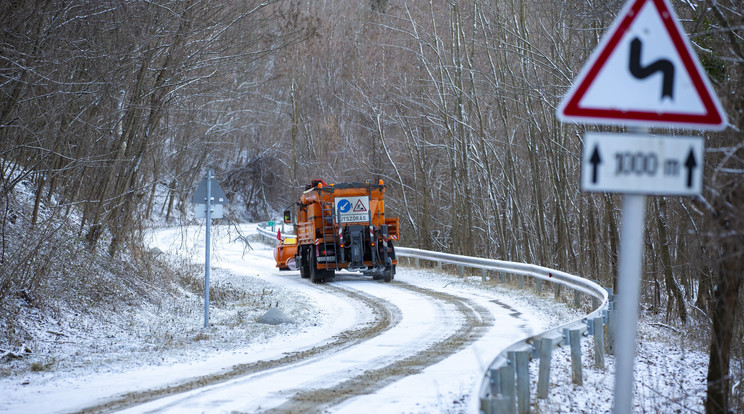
(629,286)
(642,74)
(210,176)
(630,262)
(637,164)
(208,196)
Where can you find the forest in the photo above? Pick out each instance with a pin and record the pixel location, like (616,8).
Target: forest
(112,110)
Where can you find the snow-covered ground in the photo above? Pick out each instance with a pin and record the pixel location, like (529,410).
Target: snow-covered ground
(91,364)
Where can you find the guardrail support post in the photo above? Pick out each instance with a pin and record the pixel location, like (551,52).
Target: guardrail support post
(521,281)
(599,346)
(495,405)
(484,274)
(575,339)
(538,286)
(577,299)
(557,291)
(495,381)
(462,271)
(611,327)
(439,266)
(543,377)
(610,297)
(506,374)
(523,381)
(416,262)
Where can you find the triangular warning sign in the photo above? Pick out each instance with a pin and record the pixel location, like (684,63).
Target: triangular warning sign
(644,72)
(359,206)
(218,196)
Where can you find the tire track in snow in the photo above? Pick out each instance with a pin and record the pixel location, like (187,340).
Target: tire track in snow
(476,320)
(386,316)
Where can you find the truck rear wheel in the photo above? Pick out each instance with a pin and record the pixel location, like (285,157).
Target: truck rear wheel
(316,275)
(389,272)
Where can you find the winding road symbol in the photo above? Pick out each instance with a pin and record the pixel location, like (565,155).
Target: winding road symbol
(665,66)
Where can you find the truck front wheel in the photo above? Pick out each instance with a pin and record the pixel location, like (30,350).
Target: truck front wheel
(304,254)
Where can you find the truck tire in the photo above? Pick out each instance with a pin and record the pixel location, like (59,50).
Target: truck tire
(389,266)
(304,263)
(389,272)
(316,275)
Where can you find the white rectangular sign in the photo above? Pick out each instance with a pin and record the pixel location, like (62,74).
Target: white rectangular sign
(642,164)
(201,211)
(352,209)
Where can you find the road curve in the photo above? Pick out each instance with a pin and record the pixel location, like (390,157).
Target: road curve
(399,333)
(414,327)
(384,316)
(473,320)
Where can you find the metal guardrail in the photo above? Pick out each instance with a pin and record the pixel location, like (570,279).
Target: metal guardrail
(538,272)
(264,230)
(505,385)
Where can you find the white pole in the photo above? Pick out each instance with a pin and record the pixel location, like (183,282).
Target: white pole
(629,286)
(210,175)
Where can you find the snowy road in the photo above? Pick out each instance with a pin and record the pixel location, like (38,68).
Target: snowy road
(420,327)
(418,344)
(384,335)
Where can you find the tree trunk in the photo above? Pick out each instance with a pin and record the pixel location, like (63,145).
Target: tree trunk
(614,237)
(674,293)
(727,216)
(725,303)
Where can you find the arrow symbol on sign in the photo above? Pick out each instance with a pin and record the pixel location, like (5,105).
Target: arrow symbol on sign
(690,163)
(641,72)
(595,160)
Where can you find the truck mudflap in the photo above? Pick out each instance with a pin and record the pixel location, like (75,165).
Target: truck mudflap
(356,247)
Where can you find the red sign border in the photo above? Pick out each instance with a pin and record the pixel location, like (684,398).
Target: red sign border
(714,118)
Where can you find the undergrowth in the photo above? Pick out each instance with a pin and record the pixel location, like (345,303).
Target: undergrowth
(52,281)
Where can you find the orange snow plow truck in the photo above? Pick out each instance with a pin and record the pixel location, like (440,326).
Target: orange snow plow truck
(340,226)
